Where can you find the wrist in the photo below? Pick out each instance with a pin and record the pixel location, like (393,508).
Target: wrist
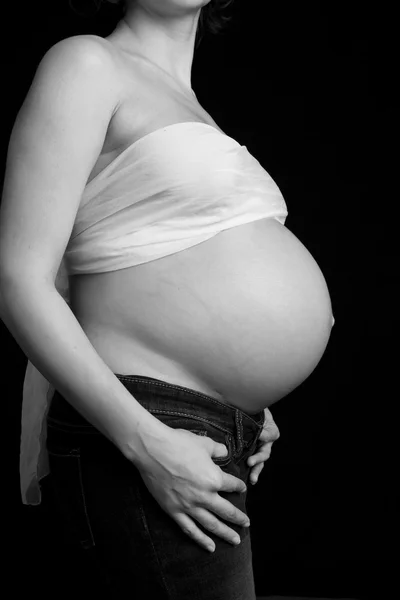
(150,433)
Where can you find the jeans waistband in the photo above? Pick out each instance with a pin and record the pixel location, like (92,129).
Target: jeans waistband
(163,398)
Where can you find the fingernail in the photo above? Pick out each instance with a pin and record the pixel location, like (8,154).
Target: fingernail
(236,540)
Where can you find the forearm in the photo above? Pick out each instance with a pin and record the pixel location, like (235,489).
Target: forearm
(51,337)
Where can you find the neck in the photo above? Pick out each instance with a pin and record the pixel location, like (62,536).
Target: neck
(164,37)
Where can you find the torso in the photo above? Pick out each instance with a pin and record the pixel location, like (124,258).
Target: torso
(244,317)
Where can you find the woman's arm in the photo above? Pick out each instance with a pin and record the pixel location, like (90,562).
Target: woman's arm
(57,137)
(49,334)
(56,140)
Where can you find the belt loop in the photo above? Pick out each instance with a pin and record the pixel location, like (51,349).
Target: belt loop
(238,432)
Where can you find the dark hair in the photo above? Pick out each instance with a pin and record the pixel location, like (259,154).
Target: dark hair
(213,18)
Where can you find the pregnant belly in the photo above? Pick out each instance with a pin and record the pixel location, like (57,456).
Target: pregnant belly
(245,316)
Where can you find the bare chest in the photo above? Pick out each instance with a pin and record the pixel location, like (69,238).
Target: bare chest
(146,104)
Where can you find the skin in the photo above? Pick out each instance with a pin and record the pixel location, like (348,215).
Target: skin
(164,34)
(273,304)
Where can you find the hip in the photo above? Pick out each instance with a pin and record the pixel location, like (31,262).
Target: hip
(105,508)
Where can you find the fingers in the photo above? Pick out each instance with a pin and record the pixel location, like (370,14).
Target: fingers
(255,472)
(256,461)
(190,528)
(270,428)
(217,528)
(230,483)
(261,456)
(269,433)
(208,514)
(209,521)
(219,450)
(226,510)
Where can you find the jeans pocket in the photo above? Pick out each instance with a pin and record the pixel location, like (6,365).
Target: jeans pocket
(217,437)
(68,493)
(202,427)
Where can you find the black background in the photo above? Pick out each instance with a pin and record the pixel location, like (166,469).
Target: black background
(307,88)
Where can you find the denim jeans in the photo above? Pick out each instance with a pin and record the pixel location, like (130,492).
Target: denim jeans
(105,509)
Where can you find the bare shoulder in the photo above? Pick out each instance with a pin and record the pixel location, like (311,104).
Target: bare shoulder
(76,62)
(86,49)
(56,140)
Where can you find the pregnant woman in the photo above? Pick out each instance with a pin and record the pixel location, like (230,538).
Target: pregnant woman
(147,274)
